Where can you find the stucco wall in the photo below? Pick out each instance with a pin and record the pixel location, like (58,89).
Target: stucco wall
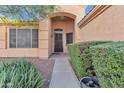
(107,26)
(44,38)
(2,37)
(73,9)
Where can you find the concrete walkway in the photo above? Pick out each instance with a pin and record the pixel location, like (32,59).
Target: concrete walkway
(63,75)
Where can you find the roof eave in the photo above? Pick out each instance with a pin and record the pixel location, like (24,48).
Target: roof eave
(31,23)
(98,9)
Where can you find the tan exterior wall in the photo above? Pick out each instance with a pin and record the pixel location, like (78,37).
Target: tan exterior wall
(44,38)
(50,38)
(107,26)
(73,9)
(2,37)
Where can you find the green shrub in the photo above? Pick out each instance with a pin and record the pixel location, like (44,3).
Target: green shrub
(19,74)
(74,53)
(81,57)
(108,61)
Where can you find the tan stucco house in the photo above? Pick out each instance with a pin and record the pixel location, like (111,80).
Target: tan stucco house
(51,35)
(41,39)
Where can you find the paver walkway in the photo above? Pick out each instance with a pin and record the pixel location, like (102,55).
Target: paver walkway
(63,75)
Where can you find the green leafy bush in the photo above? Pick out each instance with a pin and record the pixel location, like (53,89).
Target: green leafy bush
(74,53)
(19,74)
(108,61)
(81,58)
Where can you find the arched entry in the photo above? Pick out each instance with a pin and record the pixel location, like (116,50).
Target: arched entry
(62,14)
(61,25)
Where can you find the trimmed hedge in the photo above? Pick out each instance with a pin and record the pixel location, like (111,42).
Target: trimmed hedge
(74,53)
(108,61)
(81,58)
(20,74)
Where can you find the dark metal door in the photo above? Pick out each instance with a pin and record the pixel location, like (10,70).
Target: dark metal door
(58,44)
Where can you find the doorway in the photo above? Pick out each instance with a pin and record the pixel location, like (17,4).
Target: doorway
(62,32)
(58,40)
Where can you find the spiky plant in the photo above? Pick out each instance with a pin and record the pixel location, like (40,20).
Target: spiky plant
(20,74)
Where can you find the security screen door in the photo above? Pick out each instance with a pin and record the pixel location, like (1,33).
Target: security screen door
(58,41)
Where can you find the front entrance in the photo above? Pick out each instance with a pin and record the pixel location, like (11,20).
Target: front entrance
(58,41)
(62,33)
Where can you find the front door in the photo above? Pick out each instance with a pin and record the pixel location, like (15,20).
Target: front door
(58,44)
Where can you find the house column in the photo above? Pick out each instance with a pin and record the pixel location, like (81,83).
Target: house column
(43,39)
(3,41)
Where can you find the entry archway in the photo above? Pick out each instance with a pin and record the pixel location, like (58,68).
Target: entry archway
(62,14)
(65,22)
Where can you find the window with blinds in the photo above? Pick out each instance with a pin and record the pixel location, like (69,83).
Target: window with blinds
(23,38)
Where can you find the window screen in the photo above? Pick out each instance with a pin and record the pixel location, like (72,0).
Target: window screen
(12,38)
(34,38)
(23,38)
(69,38)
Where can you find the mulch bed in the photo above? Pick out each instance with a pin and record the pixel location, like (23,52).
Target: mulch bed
(44,65)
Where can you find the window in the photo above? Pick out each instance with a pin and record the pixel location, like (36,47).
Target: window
(69,38)
(23,38)
(34,38)
(12,38)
